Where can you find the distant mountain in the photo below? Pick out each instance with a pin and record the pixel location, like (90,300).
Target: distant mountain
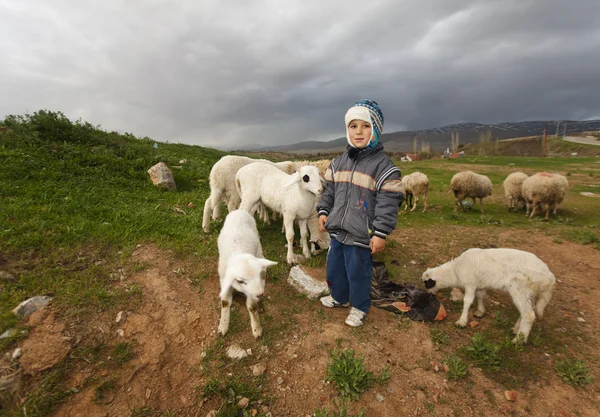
(439,138)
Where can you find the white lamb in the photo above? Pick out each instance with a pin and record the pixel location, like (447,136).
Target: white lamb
(544,190)
(468,184)
(222,186)
(294,196)
(416,185)
(513,189)
(241,267)
(522,274)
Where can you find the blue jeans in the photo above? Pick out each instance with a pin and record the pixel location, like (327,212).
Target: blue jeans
(349,271)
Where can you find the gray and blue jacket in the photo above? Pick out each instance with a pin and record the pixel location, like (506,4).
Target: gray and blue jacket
(361,196)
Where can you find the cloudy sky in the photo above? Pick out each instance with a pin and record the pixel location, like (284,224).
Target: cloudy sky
(228,73)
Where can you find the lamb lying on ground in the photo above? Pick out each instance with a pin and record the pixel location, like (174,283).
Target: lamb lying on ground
(241,267)
(522,274)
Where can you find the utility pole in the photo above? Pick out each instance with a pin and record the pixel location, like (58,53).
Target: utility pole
(557,126)
(544,143)
(565,130)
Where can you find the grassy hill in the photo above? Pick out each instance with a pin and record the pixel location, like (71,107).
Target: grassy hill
(76,203)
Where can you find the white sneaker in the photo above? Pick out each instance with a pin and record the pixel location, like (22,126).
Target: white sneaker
(329,302)
(355,318)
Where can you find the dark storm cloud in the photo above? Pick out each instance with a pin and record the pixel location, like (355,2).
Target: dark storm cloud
(229,73)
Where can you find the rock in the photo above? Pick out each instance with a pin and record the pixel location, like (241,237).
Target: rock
(236,352)
(258,369)
(5,276)
(8,333)
(379,397)
(161,176)
(474,323)
(119,317)
(279,380)
(212,413)
(510,395)
(243,403)
(456,295)
(121,332)
(17,353)
(306,284)
(31,305)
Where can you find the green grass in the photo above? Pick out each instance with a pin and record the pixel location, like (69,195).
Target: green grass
(349,374)
(573,372)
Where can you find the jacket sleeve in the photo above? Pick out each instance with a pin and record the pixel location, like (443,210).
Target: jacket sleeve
(325,203)
(390,194)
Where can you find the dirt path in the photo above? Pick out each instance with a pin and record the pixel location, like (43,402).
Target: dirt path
(173,336)
(585,141)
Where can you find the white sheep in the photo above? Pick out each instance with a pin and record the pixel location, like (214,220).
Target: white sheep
(522,274)
(294,196)
(241,267)
(513,189)
(468,184)
(222,186)
(544,189)
(416,185)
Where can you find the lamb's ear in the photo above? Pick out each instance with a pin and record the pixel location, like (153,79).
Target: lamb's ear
(265,263)
(294,178)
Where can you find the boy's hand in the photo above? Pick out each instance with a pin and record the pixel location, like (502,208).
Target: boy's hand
(322,220)
(377,244)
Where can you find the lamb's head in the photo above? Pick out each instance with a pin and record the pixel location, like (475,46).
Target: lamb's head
(309,179)
(429,281)
(246,274)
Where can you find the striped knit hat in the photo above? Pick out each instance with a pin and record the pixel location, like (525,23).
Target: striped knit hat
(367,111)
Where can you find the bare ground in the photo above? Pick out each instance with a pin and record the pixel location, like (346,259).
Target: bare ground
(175,350)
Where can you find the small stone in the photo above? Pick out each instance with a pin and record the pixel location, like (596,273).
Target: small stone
(474,323)
(581,319)
(279,380)
(8,333)
(510,395)
(236,352)
(249,352)
(243,403)
(436,368)
(413,262)
(212,413)
(119,317)
(17,353)
(379,397)
(31,305)
(456,295)
(258,369)
(445,368)
(120,332)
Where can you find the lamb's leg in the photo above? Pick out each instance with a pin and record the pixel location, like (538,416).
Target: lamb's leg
(541,303)
(548,207)
(215,202)
(206,215)
(511,202)
(252,306)
(522,300)
(480,203)
(534,209)
(480,306)
(415,201)
(225,312)
(456,203)
(467,301)
(288,222)
(424,203)
(304,238)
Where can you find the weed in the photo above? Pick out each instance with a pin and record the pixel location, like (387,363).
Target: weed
(557,240)
(342,406)
(439,337)
(573,372)
(486,219)
(104,389)
(484,353)
(349,374)
(457,369)
(121,353)
(501,321)
(230,390)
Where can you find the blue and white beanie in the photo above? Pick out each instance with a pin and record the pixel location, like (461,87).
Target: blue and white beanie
(367,111)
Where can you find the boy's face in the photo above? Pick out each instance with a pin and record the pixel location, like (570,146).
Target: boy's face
(360,133)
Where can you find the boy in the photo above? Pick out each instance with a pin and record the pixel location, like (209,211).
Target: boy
(359,208)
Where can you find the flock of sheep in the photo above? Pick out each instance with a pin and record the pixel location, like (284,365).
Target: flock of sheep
(291,190)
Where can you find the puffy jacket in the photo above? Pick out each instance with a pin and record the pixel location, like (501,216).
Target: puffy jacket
(361,197)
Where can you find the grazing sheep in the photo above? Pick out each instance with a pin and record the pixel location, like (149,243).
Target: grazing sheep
(416,185)
(322,164)
(544,190)
(468,184)
(241,267)
(522,274)
(222,186)
(513,189)
(294,196)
